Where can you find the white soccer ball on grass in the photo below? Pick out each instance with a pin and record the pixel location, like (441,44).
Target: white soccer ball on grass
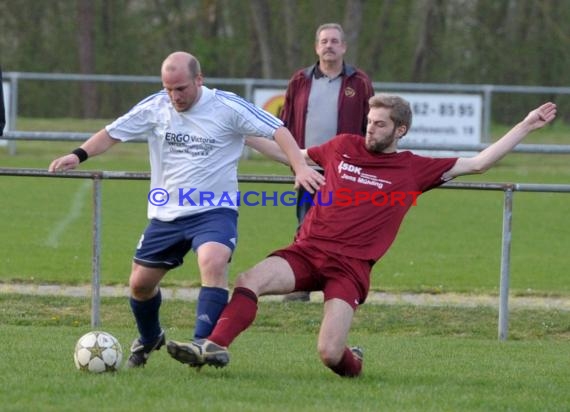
(97,352)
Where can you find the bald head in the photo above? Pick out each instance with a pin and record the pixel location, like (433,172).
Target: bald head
(182,79)
(181,63)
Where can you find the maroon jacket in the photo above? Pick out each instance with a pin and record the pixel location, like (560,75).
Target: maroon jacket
(353,107)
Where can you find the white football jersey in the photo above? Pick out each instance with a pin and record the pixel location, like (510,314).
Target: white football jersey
(193,154)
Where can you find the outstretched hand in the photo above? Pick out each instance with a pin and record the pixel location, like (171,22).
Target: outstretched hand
(309,178)
(541,116)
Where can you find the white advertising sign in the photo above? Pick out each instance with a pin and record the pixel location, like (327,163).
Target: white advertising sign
(271,100)
(445,118)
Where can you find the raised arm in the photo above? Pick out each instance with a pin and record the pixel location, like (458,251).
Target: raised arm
(492,154)
(98,143)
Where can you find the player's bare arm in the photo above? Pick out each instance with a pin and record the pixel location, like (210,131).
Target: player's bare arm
(272,150)
(480,163)
(305,175)
(98,143)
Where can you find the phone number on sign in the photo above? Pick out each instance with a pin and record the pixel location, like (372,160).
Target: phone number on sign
(443,109)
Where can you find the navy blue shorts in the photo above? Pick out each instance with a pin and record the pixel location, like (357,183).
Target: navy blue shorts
(164,244)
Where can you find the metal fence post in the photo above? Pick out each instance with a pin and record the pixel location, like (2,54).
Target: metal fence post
(95,263)
(505,264)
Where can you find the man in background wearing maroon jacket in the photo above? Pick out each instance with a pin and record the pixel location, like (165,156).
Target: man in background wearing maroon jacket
(323,100)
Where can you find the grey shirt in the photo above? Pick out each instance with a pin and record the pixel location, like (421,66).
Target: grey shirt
(322,110)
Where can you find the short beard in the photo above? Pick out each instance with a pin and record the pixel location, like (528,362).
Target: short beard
(379,147)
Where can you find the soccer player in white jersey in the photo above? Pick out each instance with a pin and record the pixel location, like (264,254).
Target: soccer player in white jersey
(195,139)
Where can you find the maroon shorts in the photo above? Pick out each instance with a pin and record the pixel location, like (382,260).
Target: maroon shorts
(338,276)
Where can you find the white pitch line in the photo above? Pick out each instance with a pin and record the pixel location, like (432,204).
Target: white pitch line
(74,213)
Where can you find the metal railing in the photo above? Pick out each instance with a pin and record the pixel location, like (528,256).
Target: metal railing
(487,91)
(403,145)
(507,188)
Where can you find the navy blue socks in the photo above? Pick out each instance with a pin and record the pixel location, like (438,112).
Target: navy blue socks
(146,316)
(211,303)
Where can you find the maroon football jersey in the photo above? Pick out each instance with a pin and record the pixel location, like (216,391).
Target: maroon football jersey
(360,208)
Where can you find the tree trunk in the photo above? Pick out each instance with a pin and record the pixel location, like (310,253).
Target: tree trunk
(424,45)
(352,26)
(86,45)
(380,38)
(261,17)
(292,49)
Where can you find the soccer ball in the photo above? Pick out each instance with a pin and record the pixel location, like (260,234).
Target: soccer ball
(98,352)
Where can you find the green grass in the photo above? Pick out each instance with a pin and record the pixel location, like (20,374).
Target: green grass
(450,242)
(416,359)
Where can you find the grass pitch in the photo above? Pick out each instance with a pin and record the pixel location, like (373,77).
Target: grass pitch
(416,359)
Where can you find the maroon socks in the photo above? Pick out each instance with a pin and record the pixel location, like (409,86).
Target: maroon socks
(349,366)
(237,316)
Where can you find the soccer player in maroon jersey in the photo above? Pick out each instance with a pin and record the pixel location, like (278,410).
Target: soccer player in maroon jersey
(369,187)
